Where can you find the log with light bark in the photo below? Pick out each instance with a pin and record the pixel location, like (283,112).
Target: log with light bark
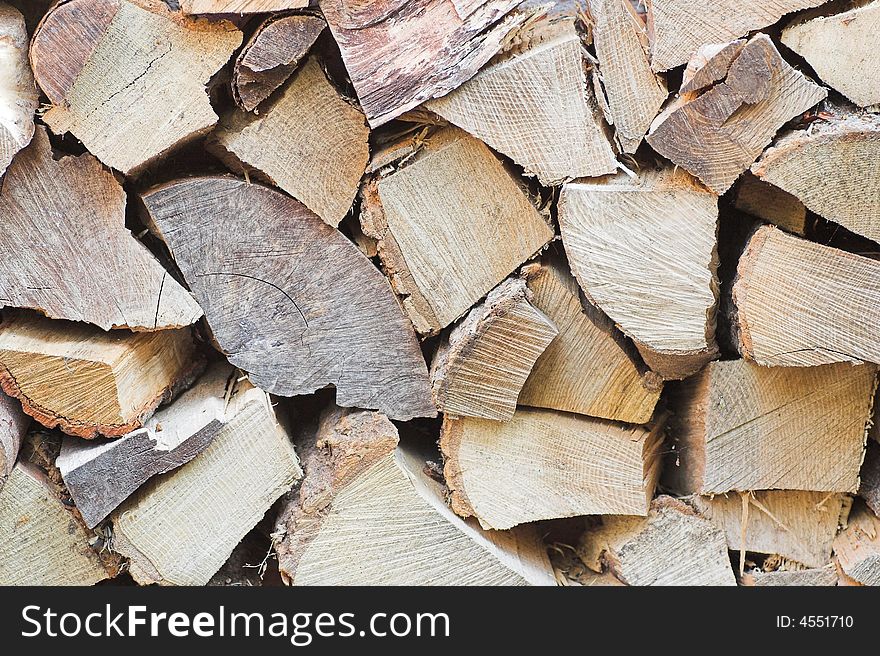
(736,118)
(88,266)
(798,303)
(765,201)
(544,464)
(239,6)
(481,368)
(858,547)
(101,475)
(625,241)
(833,167)
(88,382)
(673,545)
(127,77)
(842,48)
(368,514)
(819,576)
(271,55)
(13,425)
(180,527)
(438,243)
(18,94)
(288,298)
(744,427)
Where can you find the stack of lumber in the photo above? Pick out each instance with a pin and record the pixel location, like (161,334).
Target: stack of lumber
(350,292)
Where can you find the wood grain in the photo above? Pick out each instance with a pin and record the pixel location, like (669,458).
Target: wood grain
(13,425)
(239,6)
(820,576)
(18,95)
(770,203)
(858,547)
(869,485)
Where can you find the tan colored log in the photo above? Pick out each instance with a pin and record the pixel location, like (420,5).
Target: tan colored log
(842,49)
(744,427)
(13,426)
(86,381)
(820,576)
(101,475)
(288,298)
(311,143)
(271,55)
(586,368)
(88,267)
(533,107)
(438,244)
(708,65)
(624,239)
(736,118)
(869,485)
(239,6)
(833,167)
(799,526)
(770,203)
(367,514)
(858,547)
(18,93)
(544,465)
(680,27)
(673,545)
(799,303)
(127,77)
(481,368)
(181,527)
(42,542)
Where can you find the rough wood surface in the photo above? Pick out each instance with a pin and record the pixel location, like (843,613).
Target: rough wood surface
(86,381)
(842,49)
(679,27)
(127,77)
(544,464)
(18,94)
(744,427)
(181,527)
(239,6)
(858,547)
(13,425)
(311,143)
(586,368)
(481,368)
(671,546)
(768,202)
(41,541)
(532,106)
(799,303)
(271,55)
(438,243)
(708,65)
(736,118)
(869,485)
(288,298)
(400,54)
(833,167)
(87,267)
(644,251)
(799,526)
(367,514)
(820,576)
(101,475)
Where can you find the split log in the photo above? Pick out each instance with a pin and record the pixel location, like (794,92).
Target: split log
(545,465)
(745,427)
(87,267)
(708,65)
(673,545)
(181,527)
(239,6)
(18,94)
(858,547)
(41,541)
(842,49)
(272,55)
(680,27)
(833,167)
(13,426)
(770,203)
(532,106)
(736,118)
(437,242)
(86,381)
(586,368)
(624,239)
(127,77)
(400,54)
(799,303)
(799,526)
(368,514)
(481,368)
(819,576)
(633,91)
(102,475)
(869,486)
(288,298)
(311,143)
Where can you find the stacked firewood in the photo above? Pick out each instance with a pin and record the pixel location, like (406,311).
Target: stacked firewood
(439,292)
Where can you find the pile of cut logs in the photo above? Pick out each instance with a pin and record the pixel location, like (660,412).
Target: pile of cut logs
(583,292)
